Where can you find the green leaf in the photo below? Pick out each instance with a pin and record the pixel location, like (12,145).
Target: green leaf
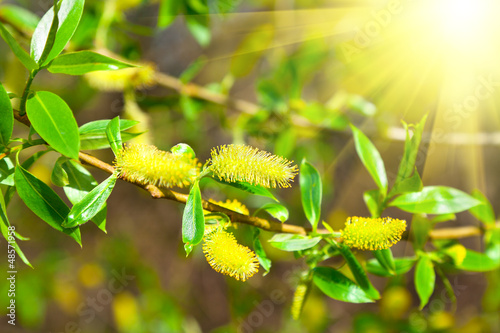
(6,172)
(412,144)
(253,189)
(19,52)
(483,212)
(113,135)
(54,122)
(386,260)
(193,69)
(311,191)
(79,63)
(264,261)
(91,204)
(435,200)
(337,286)
(358,272)
(59,177)
(93,134)
(168,12)
(411,184)
(478,262)
(371,199)
(420,228)
(8,231)
(402,266)
(193,221)
(183,149)
(371,159)
(19,17)
(69,15)
(275,210)
(425,279)
(250,50)
(290,242)
(80,183)
(198,26)
(44,202)
(6,117)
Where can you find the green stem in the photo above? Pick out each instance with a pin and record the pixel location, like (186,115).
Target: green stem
(26,92)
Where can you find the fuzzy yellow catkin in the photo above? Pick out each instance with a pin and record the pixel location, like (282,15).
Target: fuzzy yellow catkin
(299,297)
(226,256)
(244,163)
(118,80)
(233,205)
(367,233)
(147,165)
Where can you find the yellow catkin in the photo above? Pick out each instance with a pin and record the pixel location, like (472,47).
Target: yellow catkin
(118,80)
(147,165)
(228,257)
(234,205)
(299,297)
(233,163)
(372,233)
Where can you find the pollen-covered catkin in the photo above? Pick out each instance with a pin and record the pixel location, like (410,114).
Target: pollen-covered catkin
(243,163)
(228,257)
(147,165)
(372,233)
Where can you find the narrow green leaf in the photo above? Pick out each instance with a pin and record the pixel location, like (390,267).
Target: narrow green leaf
(371,199)
(253,189)
(18,51)
(69,15)
(193,220)
(91,204)
(311,190)
(198,26)
(358,272)
(51,36)
(402,266)
(9,233)
(435,200)
(44,202)
(337,286)
(478,262)
(54,122)
(410,184)
(371,159)
(386,260)
(483,212)
(93,134)
(419,232)
(290,242)
(275,210)
(79,63)
(6,172)
(412,144)
(167,13)
(80,183)
(59,177)
(114,136)
(425,279)
(6,117)
(19,17)
(264,261)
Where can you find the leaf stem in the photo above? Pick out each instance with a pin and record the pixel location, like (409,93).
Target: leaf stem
(26,91)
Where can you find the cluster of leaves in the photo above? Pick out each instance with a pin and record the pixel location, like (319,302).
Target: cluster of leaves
(53,121)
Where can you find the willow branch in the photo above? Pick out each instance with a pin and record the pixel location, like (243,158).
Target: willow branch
(246,107)
(264,224)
